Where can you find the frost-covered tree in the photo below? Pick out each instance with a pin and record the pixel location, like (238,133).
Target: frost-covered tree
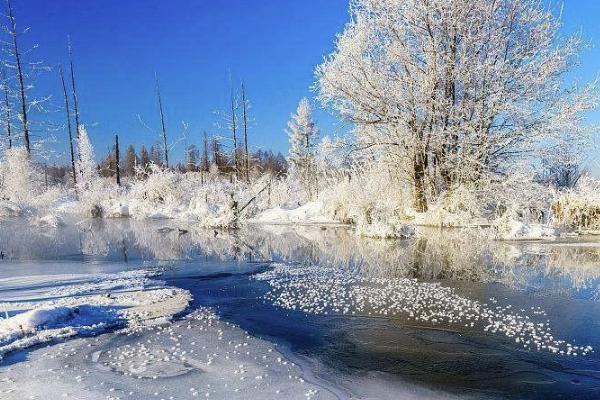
(86,165)
(449,91)
(20,179)
(303,134)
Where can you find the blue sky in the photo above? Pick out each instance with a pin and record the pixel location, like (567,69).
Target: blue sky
(194,46)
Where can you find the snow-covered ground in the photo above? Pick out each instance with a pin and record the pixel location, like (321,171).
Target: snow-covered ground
(308,214)
(41,309)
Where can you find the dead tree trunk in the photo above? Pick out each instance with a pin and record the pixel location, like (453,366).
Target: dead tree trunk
(7,110)
(117,161)
(68,113)
(75,102)
(20,77)
(419,172)
(246,155)
(234,133)
(162,124)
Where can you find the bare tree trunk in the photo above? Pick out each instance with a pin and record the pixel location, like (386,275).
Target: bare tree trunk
(162,124)
(205,162)
(420,169)
(247,161)
(68,112)
(20,78)
(7,114)
(75,102)
(117,160)
(234,133)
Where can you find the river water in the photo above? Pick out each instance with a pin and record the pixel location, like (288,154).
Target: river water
(444,315)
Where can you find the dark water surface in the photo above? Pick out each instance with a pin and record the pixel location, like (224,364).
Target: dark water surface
(219,268)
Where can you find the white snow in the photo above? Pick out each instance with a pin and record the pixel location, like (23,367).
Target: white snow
(309,213)
(82,304)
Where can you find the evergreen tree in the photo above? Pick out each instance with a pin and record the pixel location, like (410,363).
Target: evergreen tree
(131,161)
(144,158)
(303,134)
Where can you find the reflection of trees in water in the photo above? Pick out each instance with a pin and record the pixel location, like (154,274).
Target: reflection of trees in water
(435,254)
(432,255)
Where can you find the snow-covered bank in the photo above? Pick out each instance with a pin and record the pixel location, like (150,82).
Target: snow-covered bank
(40,309)
(311,213)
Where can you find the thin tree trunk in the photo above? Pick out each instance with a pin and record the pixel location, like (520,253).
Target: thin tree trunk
(7,109)
(420,168)
(205,162)
(162,124)
(117,160)
(234,132)
(75,102)
(20,78)
(247,162)
(68,113)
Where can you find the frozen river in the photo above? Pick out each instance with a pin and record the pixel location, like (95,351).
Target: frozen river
(293,312)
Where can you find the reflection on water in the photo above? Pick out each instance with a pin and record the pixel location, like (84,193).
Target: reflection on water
(555,282)
(567,268)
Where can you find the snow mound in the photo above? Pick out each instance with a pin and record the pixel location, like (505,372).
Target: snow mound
(517,230)
(86,305)
(310,213)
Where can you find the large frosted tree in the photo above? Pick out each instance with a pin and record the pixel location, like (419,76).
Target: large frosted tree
(303,134)
(451,91)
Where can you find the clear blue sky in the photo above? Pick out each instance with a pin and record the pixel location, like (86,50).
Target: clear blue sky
(273,45)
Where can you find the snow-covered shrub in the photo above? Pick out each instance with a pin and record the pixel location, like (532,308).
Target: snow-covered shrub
(366,197)
(20,179)
(459,207)
(579,207)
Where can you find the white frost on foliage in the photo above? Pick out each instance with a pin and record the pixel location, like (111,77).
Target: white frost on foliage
(86,166)
(19,178)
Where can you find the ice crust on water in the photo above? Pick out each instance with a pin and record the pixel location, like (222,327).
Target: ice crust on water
(198,356)
(84,305)
(324,290)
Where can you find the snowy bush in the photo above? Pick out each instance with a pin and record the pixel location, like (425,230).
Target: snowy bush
(579,207)
(20,179)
